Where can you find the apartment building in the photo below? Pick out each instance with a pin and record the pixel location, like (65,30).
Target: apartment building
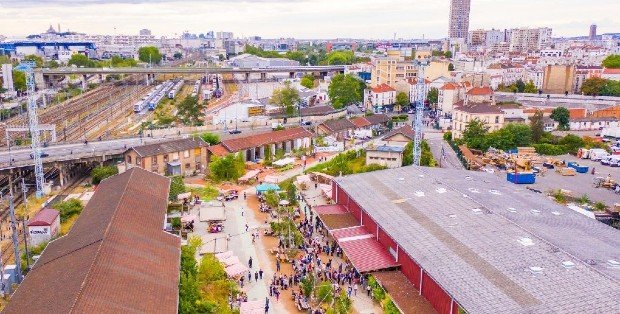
(391,70)
(379,96)
(177,157)
(529,39)
(558,79)
(491,115)
(450,94)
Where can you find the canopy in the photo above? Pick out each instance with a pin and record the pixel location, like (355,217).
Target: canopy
(224,255)
(284,202)
(326,189)
(284,161)
(236,270)
(252,307)
(212,213)
(249,175)
(304,178)
(272,179)
(231,261)
(214,243)
(267,187)
(188,218)
(183,196)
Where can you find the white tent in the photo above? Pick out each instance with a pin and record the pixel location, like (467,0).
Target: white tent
(212,213)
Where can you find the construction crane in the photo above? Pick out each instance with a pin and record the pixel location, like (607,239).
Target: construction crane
(33,126)
(420,90)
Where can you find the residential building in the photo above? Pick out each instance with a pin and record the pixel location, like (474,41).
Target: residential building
(491,115)
(339,128)
(436,69)
(535,75)
(257,146)
(7,75)
(379,96)
(373,122)
(593,123)
(449,94)
(479,95)
(445,231)
(400,136)
(384,155)
(611,74)
(176,157)
(558,79)
(224,35)
(582,73)
(610,112)
(529,39)
(44,226)
(391,70)
(116,258)
(459,19)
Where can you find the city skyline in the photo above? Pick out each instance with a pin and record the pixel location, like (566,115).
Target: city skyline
(280,18)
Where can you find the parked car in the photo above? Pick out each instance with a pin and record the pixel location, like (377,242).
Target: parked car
(43,155)
(235,131)
(605,160)
(614,161)
(306,122)
(597,153)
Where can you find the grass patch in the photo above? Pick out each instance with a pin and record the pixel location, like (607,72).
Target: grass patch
(206,193)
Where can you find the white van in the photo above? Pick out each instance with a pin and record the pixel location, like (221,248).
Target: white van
(597,153)
(605,160)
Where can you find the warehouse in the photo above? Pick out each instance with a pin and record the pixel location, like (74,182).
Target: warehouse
(469,240)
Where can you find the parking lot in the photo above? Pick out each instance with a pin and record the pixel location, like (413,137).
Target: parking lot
(582,183)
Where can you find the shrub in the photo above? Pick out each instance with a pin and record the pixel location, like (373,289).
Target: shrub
(102,172)
(210,138)
(68,208)
(447,136)
(550,149)
(177,186)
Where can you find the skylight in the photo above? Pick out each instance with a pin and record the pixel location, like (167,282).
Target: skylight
(525,241)
(536,270)
(568,264)
(511,209)
(441,190)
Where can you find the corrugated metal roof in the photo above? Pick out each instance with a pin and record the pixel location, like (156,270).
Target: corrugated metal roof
(367,254)
(169,147)
(466,237)
(330,209)
(237,144)
(44,217)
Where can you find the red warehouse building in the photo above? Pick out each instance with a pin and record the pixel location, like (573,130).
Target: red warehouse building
(474,242)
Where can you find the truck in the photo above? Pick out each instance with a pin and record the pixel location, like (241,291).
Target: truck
(597,153)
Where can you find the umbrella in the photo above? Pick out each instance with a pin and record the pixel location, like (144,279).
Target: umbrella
(284,202)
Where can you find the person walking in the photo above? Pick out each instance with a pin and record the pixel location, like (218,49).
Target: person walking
(250,262)
(355,289)
(260,273)
(266,304)
(368,290)
(249,276)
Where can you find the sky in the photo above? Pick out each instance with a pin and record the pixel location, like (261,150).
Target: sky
(302,19)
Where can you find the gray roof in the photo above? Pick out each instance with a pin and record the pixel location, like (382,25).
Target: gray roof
(169,147)
(464,228)
(386,148)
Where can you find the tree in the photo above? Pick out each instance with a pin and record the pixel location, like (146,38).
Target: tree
(593,86)
(190,111)
(448,54)
(612,62)
(344,89)
(530,88)
(340,58)
(510,136)
(177,186)
(68,208)
(475,133)
(286,97)
(37,60)
(149,55)
(19,80)
(561,115)
(307,81)
(210,138)
(520,86)
(611,88)
(177,55)
(450,67)
(537,126)
(102,172)
(81,60)
(433,96)
(52,64)
(402,99)
(228,168)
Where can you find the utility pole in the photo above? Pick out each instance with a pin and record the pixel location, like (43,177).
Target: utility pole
(33,124)
(419,114)
(24,191)
(18,270)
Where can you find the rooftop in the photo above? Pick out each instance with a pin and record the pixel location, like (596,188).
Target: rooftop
(386,148)
(116,258)
(383,88)
(338,125)
(405,130)
(483,107)
(493,246)
(169,147)
(480,91)
(245,142)
(44,217)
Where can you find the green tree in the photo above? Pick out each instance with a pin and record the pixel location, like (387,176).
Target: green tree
(52,64)
(450,67)
(537,125)
(402,99)
(344,90)
(228,168)
(475,133)
(299,56)
(190,110)
(68,208)
(593,86)
(324,292)
(307,81)
(287,98)
(611,88)
(448,54)
(37,60)
(433,96)
(562,116)
(5,59)
(342,304)
(210,138)
(19,81)
(340,58)
(612,62)
(510,136)
(81,60)
(520,86)
(177,186)
(530,88)
(102,172)
(149,55)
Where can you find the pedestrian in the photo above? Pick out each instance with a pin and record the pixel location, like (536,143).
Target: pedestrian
(256,276)
(593,170)
(266,305)
(249,276)
(245,195)
(246,227)
(278,266)
(260,273)
(250,262)
(355,289)
(349,290)
(241,281)
(368,290)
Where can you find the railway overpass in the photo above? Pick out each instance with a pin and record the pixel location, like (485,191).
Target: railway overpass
(42,76)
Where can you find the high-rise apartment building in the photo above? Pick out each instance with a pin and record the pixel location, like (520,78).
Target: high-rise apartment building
(459,19)
(593,32)
(145,32)
(529,39)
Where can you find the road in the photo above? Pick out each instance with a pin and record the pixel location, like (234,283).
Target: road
(65,151)
(437,144)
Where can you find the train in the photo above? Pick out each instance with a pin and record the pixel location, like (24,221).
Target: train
(152,98)
(177,87)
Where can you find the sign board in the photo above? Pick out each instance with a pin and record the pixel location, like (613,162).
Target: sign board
(256,111)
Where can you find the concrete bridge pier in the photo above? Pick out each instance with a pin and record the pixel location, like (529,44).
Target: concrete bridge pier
(84,82)
(247,77)
(146,79)
(291,75)
(263,77)
(322,75)
(40,80)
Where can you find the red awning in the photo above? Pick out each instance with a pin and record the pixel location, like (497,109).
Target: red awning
(330,209)
(363,250)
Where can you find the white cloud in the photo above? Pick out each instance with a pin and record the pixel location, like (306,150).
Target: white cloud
(301,18)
